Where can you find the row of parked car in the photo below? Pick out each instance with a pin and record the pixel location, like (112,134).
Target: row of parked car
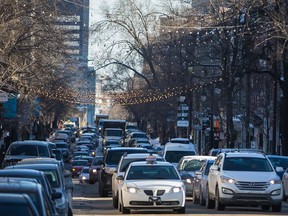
(30,167)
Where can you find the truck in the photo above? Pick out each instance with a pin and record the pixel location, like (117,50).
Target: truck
(113,129)
(99,117)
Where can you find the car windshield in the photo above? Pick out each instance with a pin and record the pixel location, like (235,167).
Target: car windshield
(247,164)
(279,162)
(193,165)
(31,150)
(80,163)
(139,135)
(85,170)
(113,133)
(125,162)
(97,161)
(180,141)
(112,143)
(152,172)
(61,145)
(113,157)
(175,156)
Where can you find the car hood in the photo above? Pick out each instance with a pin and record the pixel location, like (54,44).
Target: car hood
(251,176)
(154,184)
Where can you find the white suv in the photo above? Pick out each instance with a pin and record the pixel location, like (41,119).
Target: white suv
(247,179)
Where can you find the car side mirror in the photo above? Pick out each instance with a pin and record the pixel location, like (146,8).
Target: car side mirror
(279,169)
(215,168)
(198,174)
(56,195)
(120,178)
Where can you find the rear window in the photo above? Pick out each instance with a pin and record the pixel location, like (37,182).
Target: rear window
(113,157)
(175,156)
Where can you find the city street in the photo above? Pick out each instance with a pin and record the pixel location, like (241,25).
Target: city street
(86,201)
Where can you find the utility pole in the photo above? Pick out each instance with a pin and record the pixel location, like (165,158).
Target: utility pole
(211,117)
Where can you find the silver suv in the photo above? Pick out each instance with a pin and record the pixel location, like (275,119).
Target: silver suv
(238,178)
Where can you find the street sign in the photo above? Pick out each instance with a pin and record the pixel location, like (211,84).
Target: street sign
(182,123)
(3,97)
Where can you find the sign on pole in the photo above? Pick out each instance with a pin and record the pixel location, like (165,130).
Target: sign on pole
(3,96)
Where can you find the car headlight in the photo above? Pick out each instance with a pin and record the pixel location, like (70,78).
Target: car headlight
(131,189)
(225,179)
(73,169)
(83,177)
(94,170)
(176,189)
(188,180)
(275,181)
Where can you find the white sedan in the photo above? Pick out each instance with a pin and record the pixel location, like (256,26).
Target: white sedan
(151,185)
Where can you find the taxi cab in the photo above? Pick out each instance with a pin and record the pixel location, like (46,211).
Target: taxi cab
(149,185)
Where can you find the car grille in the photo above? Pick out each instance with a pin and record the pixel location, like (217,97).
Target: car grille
(150,192)
(160,203)
(253,186)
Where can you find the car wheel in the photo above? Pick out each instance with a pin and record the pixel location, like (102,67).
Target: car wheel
(201,198)
(195,198)
(125,210)
(209,202)
(276,208)
(218,205)
(119,206)
(70,213)
(182,210)
(265,207)
(115,201)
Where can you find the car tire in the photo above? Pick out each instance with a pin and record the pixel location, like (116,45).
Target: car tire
(182,210)
(276,208)
(265,207)
(102,192)
(115,201)
(125,210)
(218,205)
(70,212)
(195,198)
(210,204)
(202,201)
(119,206)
